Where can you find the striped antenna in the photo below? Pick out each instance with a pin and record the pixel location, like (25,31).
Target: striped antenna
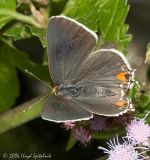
(40,99)
(37,78)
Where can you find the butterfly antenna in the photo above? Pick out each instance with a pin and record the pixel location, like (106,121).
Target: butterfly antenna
(29,107)
(147,115)
(37,78)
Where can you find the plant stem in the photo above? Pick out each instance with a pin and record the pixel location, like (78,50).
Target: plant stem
(20,17)
(21,114)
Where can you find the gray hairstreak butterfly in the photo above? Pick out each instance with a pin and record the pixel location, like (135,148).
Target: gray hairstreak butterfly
(86,82)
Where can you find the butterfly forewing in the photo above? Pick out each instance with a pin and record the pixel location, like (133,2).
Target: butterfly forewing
(69,43)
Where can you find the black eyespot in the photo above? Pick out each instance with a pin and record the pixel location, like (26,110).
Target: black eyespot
(127,76)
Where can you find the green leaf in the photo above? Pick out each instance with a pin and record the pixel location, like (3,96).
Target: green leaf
(102,158)
(110,133)
(9,59)
(71,143)
(148,73)
(147,60)
(40,33)
(6,8)
(86,13)
(56,1)
(21,114)
(8,13)
(106,17)
(57,6)
(9,85)
(18,31)
(22,62)
(144,101)
(133,92)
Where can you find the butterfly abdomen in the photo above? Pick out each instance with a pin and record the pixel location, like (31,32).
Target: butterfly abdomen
(93,91)
(86,91)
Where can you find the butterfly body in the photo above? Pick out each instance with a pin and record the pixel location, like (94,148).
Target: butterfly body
(81,92)
(68,91)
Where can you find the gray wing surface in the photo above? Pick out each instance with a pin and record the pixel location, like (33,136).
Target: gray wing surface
(106,76)
(101,68)
(69,43)
(59,109)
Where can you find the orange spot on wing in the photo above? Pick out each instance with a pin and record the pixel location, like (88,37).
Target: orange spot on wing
(120,103)
(122,76)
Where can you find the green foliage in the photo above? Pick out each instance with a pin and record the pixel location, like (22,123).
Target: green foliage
(21,114)
(106,17)
(108,133)
(18,31)
(141,99)
(147,60)
(40,33)
(144,101)
(133,92)
(56,1)
(148,73)
(7,9)
(10,59)
(9,85)
(8,12)
(21,61)
(71,143)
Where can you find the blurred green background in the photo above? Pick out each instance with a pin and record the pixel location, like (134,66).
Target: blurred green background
(23,46)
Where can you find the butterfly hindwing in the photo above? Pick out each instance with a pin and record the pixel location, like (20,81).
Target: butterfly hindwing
(106,77)
(103,67)
(60,109)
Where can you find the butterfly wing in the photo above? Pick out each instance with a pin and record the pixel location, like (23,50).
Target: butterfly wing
(105,77)
(107,105)
(60,109)
(69,43)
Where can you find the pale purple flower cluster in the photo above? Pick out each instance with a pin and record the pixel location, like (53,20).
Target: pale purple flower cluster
(83,130)
(125,151)
(68,125)
(136,140)
(138,132)
(83,135)
(98,123)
